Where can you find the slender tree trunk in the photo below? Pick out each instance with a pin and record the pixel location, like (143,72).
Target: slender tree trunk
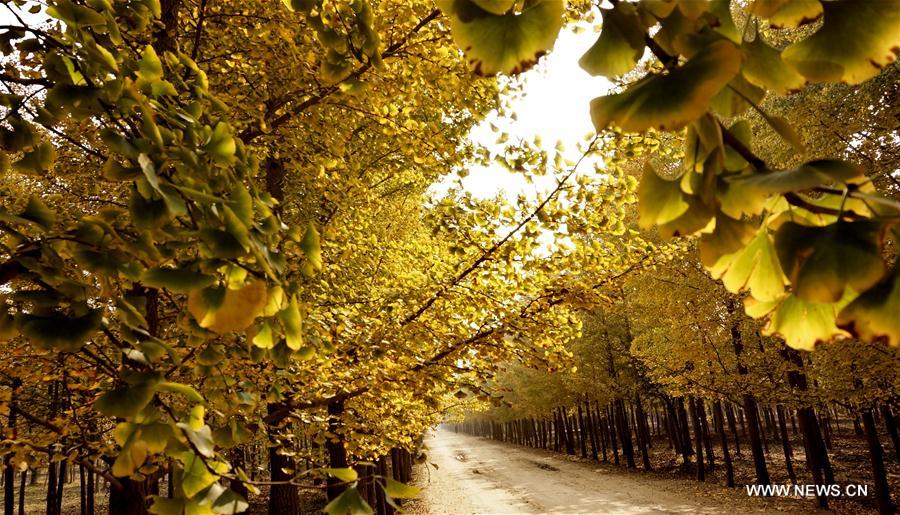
(786,444)
(723,439)
(610,417)
(582,432)
(732,426)
(876,455)
(759,457)
(9,473)
(891,423)
(22,482)
(644,434)
(624,433)
(707,441)
(698,434)
(337,453)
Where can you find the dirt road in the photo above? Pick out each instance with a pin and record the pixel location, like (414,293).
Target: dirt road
(480,476)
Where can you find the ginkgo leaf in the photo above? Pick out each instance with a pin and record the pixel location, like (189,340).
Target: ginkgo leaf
(311,246)
(495,6)
(765,68)
(508,43)
(230,502)
(126,401)
(729,236)
(756,268)
(195,476)
(38,212)
(659,200)
(803,324)
(620,45)
(58,331)
(347,475)
(794,13)
(856,40)
(348,503)
(695,218)
(150,67)
(292,322)
(806,176)
(874,316)
(673,100)
(180,280)
(397,490)
(822,261)
(225,310)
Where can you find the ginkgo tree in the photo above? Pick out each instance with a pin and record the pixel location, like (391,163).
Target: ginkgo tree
(808,243)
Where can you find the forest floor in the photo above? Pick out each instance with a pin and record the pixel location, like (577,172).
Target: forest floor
(478,475)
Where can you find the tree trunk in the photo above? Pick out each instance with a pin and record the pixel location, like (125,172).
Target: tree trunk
(891,423)
(610,417)
(9,473)
(876,455)
(786,444)
(337,453)
(624,433)
(644,434)
(698,434)
(130,500)
(22,482)
(723,439)
(707,441)
(759,457)
(732,426)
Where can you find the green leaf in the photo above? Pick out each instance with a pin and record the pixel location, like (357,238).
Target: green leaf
(806,176)
(874,316)
(347,475)
(856,40)
(187,391)
(697,217)
(310,245)
(508,43)
(398,490)
(303,6)
(756,268)
(495,6)
(230,502)
(292,322)
(620,45)
(724,23)
(125,401)
(228,311)
(659,200)
(822,261)
(803,324)
(57,331)
(180,280)
(38,159)
(794,13)
(196,477)
(221,146)
(38,212)
(670,101)
(765,68)
(348,503)
(150,67)
(728,237)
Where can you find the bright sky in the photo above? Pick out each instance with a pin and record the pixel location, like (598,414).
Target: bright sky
(553,104)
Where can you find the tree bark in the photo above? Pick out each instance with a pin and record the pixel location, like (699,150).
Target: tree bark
(723,439)
(891,423)
(876,456)
(786,444)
